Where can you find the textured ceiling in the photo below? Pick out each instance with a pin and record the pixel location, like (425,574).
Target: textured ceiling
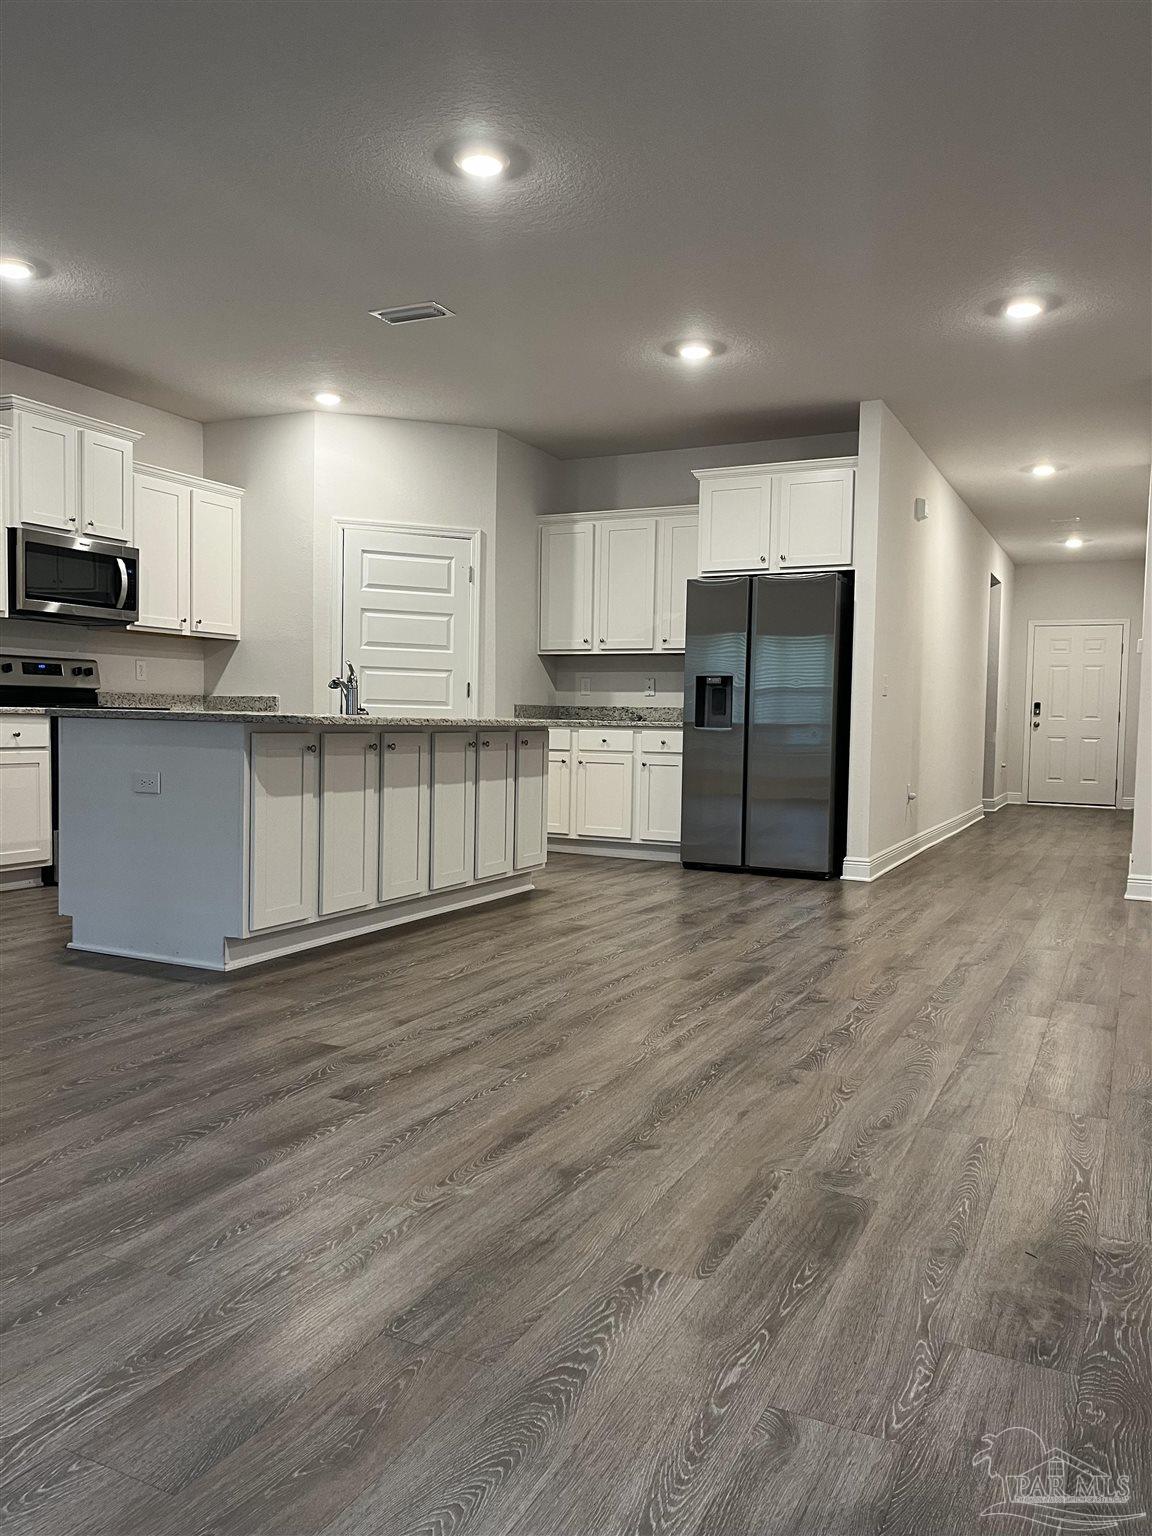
(836,191)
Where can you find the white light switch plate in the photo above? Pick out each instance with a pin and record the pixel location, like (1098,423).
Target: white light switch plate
(141,670)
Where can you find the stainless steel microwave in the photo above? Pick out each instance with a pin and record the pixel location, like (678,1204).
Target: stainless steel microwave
(73,579)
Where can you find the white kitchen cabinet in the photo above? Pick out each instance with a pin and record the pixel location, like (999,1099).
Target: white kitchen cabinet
(677,563)
(626,584)
(531,844)
(604,794)
(5,509)
(736,522)
(567,593)
(284,835)
(813,521)
(560,795)
(163,524)
(349,820)
(453,809)
(106,485)
(25,806)
(495,803)
(215,564)
(405,814)
(660,775)
(47,489)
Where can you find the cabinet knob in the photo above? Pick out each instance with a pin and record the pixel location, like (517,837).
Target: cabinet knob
(183,622)
(389,746)
(763,559)
(485,743)
(15,734)
(643,765)
(587,641)
(311,747)
(664,641)
(90,524)
(373,746)
(602,641)
(199,622)
(523,741)
(471,745)
(783,558)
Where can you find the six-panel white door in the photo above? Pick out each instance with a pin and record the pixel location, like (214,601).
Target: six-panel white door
(660,776)
(25,807)
(625,585)
(560,794)
(604,794)
(284,836)
(566,587)
(531,798)
(813,519)
(407,620)
(215,572)
(1074,720)
(106,485)
(405,814)
(349,820)
(162,519)
(677,563)
(735,523)
(47,491)
(453,809)
(495,803)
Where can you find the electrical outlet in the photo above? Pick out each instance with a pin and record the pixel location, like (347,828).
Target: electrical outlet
(585,685)
(650,687)
(141,670)
(884,686)
(146,783)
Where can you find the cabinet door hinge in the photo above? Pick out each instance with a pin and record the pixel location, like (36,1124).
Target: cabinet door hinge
(471,573)
(467,690)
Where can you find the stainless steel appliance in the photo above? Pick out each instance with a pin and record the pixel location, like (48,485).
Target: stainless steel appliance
(73,579)
(767,669)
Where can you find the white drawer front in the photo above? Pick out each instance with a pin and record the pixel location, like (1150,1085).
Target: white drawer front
(24,731)
(671,740)
(605,740)
(559,738)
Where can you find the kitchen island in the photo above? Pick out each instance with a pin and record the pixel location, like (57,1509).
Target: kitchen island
(223,839)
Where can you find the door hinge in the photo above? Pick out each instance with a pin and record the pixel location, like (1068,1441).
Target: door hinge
(471,573)
(467,690)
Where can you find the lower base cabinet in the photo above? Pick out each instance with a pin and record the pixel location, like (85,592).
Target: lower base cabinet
(495,804)
(25,807)
(453,809)
(284,837)
(405,814)
(660,776)
(349,820)
(560,794)
(532,810)
(604,794)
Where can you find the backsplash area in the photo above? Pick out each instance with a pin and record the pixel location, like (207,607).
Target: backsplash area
(172,663)
(617,680)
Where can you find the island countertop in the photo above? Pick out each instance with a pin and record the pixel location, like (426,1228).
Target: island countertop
(309,722)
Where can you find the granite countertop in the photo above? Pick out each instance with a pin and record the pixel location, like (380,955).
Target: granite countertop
(264,717)
(601,714)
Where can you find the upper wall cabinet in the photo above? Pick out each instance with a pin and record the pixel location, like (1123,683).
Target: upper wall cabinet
(616,582)
(69,472)
(188,534)
(777,517)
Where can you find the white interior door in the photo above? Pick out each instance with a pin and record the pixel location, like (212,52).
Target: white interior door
(407,621)
(1074,719)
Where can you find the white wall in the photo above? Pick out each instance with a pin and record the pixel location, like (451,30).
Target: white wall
(173,663)
(526,485)
(1140,862)
(922,642)
(1103,591)
(274,459)
(617,680)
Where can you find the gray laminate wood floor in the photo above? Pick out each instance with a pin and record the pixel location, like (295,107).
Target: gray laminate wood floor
(658,1201)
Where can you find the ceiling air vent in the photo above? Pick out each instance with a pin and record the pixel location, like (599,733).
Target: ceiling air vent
(405,314)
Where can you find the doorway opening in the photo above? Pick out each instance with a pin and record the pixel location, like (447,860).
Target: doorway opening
(993,798)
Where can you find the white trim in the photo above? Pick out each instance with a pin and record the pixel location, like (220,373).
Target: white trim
(21,879)
(1033,626)
(180,478)
(1016,797)
(690,508)
(662,853)
(995,803)
(1139,888)
(73,418)
(1127,802)
(475,539)
(845,461)
(899,853)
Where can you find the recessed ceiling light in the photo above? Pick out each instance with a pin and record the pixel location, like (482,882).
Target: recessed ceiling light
(693,351)
(1075,542)
(13,270)
(1023,309)
(481,162)
(1043,471)
(327,397)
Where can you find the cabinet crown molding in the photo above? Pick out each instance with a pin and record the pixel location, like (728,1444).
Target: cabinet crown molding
(548,518)
(785,466)
(198,482)
(73,418)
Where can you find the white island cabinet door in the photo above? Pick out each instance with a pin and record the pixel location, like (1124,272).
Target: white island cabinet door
(25,808)
(560,794)
(162,522)
(47,492)
(660,775)
(531,798)
(604,794)
(495,803)
(215,565)
(405,814)
(284,837)
(566,590)
(678,549)
(106,485)
(349,820)
(453,809)
(814,519)
(626,585)
(735,522)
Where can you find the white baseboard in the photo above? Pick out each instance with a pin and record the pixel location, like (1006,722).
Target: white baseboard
(899,853)
(1139,888)
(663,853)
(995,803)
(1016,797)
(1127,802)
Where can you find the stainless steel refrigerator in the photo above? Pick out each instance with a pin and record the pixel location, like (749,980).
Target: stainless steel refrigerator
(767,671)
